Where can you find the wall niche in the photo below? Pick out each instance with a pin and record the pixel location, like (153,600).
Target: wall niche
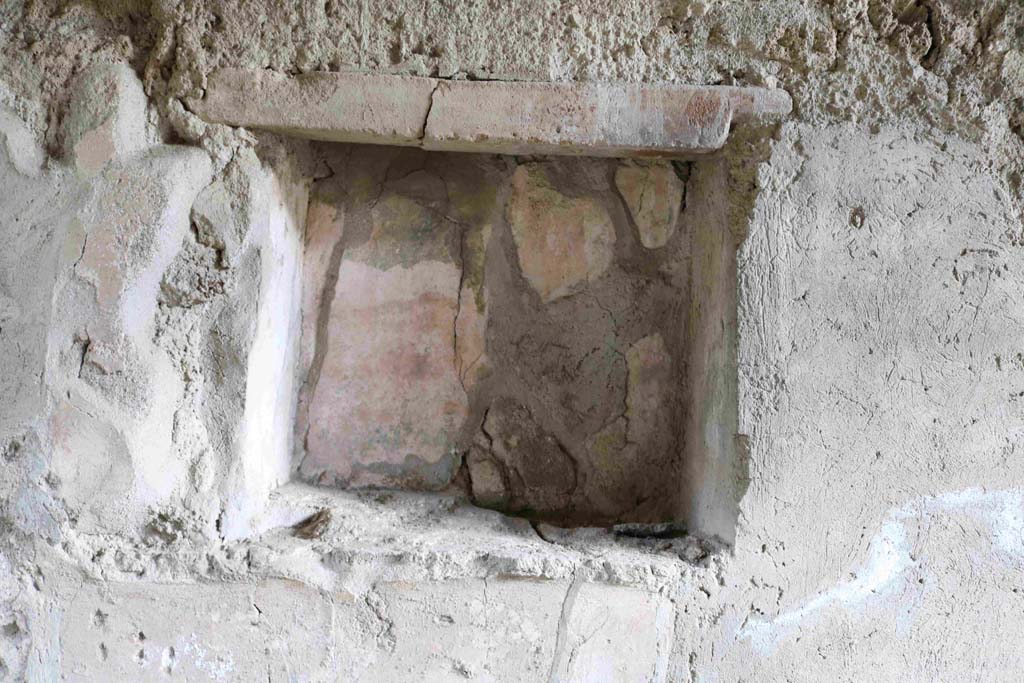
(523,294)
(515,328)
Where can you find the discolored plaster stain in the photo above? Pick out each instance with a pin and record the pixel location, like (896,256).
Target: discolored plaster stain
(388,388)
(891,556)
(654,194)
(562,242)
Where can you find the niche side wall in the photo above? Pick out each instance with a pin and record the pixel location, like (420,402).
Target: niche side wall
(261,455)
(714,476)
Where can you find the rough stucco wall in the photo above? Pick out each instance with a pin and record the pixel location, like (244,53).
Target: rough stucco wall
(881,536)
(877,293)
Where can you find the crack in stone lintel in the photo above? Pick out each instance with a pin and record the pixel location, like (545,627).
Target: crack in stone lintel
(430,108)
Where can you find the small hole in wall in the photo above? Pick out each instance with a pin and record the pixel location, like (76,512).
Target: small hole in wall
(168,660)
(527,332)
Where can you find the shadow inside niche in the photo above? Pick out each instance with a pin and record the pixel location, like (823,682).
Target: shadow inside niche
(554,338)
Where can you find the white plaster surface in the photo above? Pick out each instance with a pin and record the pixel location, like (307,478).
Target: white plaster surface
(263,458)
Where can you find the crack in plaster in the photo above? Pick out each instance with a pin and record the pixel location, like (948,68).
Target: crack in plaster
(568,602)
(430,108)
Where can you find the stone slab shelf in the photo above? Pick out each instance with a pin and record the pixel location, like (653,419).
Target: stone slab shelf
(503,117)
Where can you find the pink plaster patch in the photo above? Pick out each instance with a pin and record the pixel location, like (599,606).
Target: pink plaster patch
(388,404)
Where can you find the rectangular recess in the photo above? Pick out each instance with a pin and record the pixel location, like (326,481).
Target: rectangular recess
(517,329)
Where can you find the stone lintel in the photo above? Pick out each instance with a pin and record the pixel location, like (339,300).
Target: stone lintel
(507,117)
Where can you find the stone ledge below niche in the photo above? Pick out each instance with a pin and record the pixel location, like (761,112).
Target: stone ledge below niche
(394,535)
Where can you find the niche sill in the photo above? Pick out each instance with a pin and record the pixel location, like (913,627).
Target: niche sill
(408,535)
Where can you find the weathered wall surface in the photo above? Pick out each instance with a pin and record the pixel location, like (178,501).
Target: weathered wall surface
(880,371)
(877,293)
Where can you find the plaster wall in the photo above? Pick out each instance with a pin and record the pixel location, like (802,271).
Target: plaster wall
(879,531)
